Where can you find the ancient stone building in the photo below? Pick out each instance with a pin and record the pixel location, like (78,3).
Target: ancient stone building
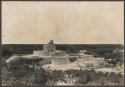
(59,57)
(50,53)
(47,48)
(86,60)
(50,47)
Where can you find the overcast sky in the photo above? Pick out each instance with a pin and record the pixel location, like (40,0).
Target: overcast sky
(77,22)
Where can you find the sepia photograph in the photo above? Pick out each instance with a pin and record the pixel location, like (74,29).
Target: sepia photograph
(62,43)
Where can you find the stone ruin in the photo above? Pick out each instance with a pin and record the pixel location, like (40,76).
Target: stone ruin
(49,52)
(86,60)
(50,55)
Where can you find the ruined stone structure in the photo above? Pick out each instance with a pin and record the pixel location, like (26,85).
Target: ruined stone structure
(50,55)
(86,60)
(47,48)
(38,53)
(49,52)
(50,47)
(59,57)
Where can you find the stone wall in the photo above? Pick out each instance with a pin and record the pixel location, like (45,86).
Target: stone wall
(60,60)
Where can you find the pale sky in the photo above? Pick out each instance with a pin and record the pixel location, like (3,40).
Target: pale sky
(77,22)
